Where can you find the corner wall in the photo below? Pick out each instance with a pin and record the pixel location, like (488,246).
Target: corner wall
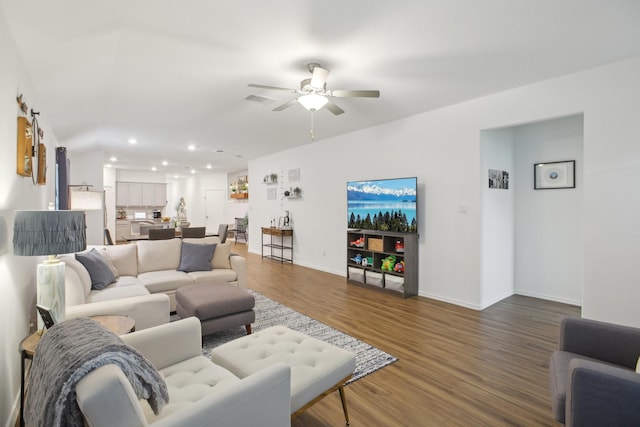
(441,148)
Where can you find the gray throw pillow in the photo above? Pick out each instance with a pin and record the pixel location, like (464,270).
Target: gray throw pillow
(196,257)
(100,273)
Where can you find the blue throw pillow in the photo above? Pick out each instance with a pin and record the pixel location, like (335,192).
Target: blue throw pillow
(196,257)
(99,271)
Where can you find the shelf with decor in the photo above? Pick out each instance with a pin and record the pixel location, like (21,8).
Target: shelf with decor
(239,195)
(383,260)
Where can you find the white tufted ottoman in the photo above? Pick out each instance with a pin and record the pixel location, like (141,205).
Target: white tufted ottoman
(317,368)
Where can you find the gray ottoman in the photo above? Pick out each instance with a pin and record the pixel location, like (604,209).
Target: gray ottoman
(219,306)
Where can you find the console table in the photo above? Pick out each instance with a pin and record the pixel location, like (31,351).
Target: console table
(283,244)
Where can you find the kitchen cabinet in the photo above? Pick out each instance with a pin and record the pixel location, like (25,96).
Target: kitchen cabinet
(123,231)
(160,195)
(141,194)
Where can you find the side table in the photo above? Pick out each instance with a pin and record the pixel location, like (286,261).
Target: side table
(118,324)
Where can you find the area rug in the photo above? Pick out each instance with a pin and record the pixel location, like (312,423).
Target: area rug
(270,313)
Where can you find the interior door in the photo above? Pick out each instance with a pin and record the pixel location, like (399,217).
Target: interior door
(215,209)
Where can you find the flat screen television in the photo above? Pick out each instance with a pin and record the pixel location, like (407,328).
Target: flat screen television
(383,204)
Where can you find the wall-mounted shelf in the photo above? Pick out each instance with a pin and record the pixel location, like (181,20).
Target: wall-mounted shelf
(239,195)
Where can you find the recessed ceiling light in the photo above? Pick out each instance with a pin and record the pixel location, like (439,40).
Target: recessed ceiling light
(193,171)
(208,166)
(133,141)
(154,168)
(113,159)
(219,151)
(165,163)
(109,165)
(191,147)
(238,155)
(175,176)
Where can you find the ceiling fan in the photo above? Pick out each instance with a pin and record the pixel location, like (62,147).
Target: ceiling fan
(314,94)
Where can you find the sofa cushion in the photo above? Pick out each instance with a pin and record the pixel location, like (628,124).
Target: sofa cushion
(202,240)
(124,287)
(109,262)
(196,257)
(188,382)
(165,280)
(213,276)
(74,291)
(72,264)
(157,255)
(221,256)
(638,366)
(99,271)
(124,257)
(559,375)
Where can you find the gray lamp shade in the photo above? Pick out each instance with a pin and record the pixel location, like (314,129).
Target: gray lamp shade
(49,232)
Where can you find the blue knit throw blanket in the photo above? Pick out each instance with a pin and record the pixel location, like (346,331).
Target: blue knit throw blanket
(66,353)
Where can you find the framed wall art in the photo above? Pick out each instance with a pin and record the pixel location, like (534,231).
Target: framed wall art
(498,179)
(554,175)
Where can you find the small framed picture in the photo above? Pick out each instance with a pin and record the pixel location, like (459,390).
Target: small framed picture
(554,175)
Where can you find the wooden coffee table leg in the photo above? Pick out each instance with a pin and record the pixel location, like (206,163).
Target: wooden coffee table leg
(248,328)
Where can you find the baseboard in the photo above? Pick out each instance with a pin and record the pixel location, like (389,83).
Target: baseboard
(450,300)
(549,297)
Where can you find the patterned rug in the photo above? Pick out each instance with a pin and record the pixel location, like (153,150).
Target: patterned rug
(269,313)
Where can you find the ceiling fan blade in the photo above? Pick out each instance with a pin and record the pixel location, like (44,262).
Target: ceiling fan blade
(286,105)
(319,77)
(354,93)
(270,87)
(331,106)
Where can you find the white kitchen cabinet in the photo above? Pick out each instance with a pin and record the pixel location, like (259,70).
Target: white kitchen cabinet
(123,231)
(160,195)
(148,194)
(122,194)
(141,194)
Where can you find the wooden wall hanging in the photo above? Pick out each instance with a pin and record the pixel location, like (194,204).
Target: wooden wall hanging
(25,147)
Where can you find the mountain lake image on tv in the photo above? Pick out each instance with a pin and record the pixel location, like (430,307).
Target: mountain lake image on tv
(383,204)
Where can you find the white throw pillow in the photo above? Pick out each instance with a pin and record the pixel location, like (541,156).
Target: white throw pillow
(221,256)
(638,366)
(124,257)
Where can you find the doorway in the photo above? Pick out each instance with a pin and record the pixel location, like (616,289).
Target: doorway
(215,209)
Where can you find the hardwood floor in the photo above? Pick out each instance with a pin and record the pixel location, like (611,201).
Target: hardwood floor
(456,367)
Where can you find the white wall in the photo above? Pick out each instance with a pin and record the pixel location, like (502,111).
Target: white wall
(441,148)
(18,273)
(193,188)
(549,231)
(497,250)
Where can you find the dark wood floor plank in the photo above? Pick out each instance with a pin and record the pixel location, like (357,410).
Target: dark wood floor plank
(457,366)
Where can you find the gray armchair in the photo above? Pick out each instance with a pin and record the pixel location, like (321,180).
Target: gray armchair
(592,375)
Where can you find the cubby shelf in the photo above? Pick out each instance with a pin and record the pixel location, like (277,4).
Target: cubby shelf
(367,251)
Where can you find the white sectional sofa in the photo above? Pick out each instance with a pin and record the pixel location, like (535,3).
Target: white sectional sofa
(147,278)
(201,393)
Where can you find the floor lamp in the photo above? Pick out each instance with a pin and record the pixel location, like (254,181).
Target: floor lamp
(49,233)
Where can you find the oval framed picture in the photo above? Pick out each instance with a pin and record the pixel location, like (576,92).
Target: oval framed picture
(553,175)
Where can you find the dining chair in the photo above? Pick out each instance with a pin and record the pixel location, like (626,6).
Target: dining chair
(196,232)
(107,237)
(240,228)
(222,232)
(162,233)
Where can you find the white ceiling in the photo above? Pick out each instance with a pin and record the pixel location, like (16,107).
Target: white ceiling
(173,73)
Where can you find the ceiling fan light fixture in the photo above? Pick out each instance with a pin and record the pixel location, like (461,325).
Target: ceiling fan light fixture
(312,101)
